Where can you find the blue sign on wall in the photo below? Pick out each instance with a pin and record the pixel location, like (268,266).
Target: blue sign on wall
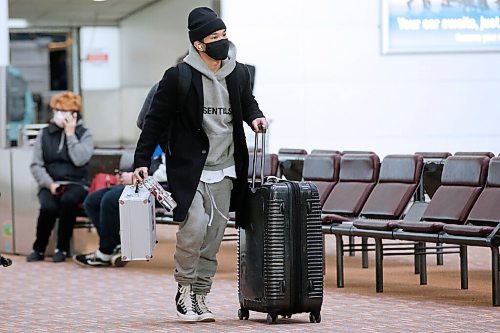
(440,25)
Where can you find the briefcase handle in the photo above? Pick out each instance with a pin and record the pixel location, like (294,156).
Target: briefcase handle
(138,182)
(262,156)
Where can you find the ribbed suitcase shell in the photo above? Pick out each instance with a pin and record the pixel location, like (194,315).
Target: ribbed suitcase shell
(280,251)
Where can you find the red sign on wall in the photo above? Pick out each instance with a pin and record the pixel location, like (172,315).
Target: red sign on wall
(97,57)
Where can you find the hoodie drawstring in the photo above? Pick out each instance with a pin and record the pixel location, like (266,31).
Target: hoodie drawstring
(61,143)
(213,205)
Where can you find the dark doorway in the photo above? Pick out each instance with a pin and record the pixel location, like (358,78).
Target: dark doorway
(58,70)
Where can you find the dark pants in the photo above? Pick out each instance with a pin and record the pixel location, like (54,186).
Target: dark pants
(64,207)
(102,208)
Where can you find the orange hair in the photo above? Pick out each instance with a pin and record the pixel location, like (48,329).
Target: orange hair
(66,101)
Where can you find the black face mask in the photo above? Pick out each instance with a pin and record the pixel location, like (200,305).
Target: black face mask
(217,50)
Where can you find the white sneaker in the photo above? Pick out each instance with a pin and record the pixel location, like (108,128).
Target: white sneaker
(200,307)
(185,307)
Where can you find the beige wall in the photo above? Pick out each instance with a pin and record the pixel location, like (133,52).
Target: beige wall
(101,111)
(151,41)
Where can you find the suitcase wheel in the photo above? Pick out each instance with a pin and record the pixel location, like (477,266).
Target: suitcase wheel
(271,318)
(243,314)
(117,261)
(315,317)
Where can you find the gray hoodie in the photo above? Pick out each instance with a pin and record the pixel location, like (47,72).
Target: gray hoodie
(217,115)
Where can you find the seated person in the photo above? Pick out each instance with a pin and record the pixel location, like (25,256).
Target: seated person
(103,209)
(60,167)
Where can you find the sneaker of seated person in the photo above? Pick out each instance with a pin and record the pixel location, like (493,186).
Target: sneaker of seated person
(35,256)
(185,304)
(94,259)
(200,307)
(59,256)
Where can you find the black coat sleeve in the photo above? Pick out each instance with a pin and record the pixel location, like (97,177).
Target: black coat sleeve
(157,121)
(250,106)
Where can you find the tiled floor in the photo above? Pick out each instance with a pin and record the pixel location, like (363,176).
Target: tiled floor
(48,297)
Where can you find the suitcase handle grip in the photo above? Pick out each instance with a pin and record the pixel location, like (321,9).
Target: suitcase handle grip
(262,156)
(137,183)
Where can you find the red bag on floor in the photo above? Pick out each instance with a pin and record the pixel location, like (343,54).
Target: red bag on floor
(103,180)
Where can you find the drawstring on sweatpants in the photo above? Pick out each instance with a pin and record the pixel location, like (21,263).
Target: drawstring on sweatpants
(213,205)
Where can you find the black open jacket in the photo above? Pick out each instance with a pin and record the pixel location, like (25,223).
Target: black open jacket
(187,145)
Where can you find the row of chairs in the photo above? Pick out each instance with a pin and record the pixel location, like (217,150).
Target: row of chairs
(364,188)
(292,160)
(464,211)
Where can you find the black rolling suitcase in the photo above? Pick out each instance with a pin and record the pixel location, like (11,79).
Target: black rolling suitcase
(280,249)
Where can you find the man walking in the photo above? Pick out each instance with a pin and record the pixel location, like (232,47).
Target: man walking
(206,152)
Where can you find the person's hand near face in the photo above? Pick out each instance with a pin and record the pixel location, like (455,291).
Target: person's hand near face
(70,123)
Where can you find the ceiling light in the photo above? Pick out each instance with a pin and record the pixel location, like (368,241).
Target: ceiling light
(99,0)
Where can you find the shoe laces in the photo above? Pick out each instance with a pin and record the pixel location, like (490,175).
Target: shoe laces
(91,256)
(186,298)
(201,305)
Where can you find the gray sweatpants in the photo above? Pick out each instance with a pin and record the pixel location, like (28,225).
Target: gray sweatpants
(198,243)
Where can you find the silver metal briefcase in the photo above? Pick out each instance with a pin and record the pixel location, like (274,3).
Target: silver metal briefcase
(137,223)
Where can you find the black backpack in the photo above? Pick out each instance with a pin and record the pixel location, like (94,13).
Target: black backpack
(182,91)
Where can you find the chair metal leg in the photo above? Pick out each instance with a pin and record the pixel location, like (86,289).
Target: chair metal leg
(352,251)
(340,261)
(495,278)
(423,264)
(379,265)
(416,260)
(439,254)
(464,271)
(364,252)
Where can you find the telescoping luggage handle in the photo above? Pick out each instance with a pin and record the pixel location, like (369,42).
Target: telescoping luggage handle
(262,156)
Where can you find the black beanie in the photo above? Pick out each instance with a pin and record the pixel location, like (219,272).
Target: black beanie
(203,21)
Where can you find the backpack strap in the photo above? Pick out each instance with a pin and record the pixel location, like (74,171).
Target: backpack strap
(243,74)
(183,84)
